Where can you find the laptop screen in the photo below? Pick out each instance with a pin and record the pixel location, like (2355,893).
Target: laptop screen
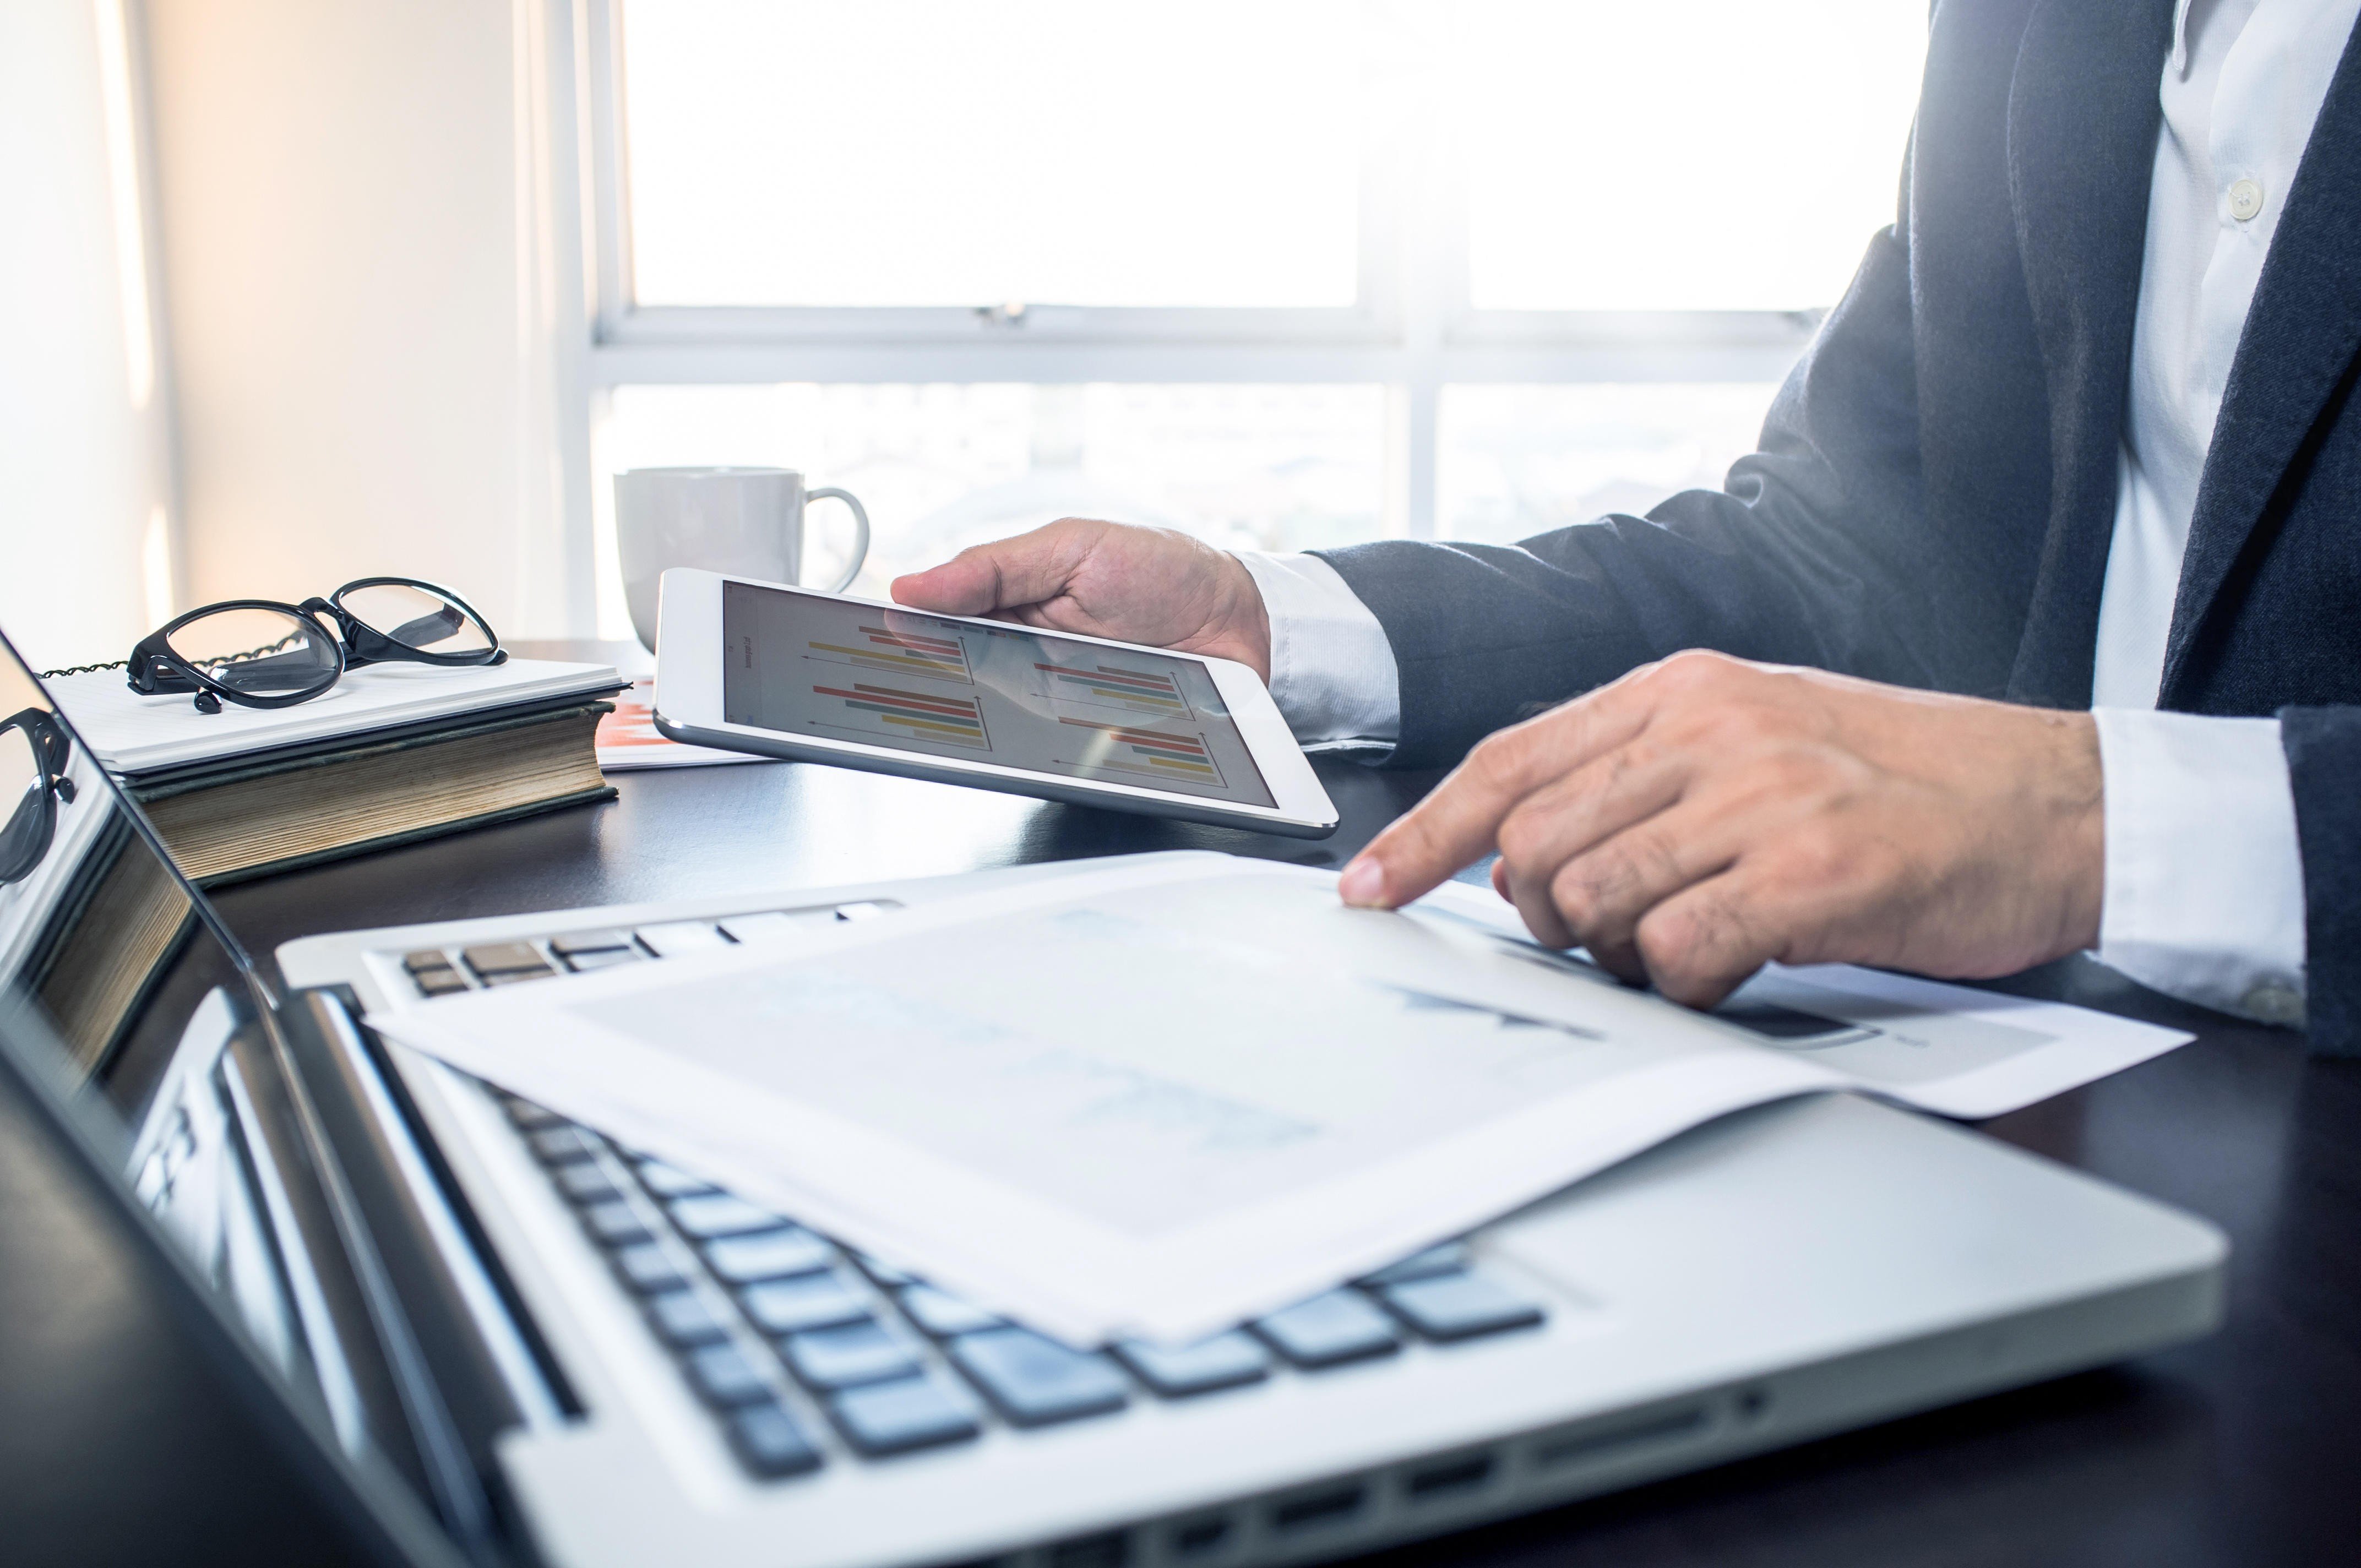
(118,987)
(102,947)
(122,994)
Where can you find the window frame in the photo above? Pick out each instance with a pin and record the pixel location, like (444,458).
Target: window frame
(1413,329)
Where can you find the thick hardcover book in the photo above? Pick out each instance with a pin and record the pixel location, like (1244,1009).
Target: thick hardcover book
(237,802)
(278,812)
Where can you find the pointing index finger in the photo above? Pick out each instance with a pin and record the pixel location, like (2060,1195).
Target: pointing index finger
(1460,822)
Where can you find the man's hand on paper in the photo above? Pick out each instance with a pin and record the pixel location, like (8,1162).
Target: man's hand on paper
(1106,579)
(1704,815)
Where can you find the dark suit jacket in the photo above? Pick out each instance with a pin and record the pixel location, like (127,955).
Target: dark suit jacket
(1935,493)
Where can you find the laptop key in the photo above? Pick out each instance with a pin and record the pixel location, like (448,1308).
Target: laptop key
(770,1442)
(944,1315)
(504,958)
(776,925)
(686,1318)
(1448,1258)
(671,939)
(1227,1360)
(706,1215)
(586,1183)
(614,1223)
(727,1377)
(769,1254)
(426,959)
(438,981)
(808,1302)
(583,963)
(1034,1380)
(670,1181)
(1452,1307)
(566,1145)
(883,1272)
(526,1116)
(579,942)
(830,1359)
(1330,1330)
(648,1268)
(882,1419)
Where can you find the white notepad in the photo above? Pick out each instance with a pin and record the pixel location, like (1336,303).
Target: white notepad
(134,734)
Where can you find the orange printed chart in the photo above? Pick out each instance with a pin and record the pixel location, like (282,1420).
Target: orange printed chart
(628,738)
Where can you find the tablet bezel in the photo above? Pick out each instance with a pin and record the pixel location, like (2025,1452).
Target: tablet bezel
(688,707)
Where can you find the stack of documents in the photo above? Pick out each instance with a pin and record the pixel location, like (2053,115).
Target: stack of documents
(1152,1101)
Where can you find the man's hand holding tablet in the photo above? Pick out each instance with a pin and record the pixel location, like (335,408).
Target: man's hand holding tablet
(1104,579)
(1019,702)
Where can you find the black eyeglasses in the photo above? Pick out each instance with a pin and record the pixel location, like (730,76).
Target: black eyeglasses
(34,751)
(262,653)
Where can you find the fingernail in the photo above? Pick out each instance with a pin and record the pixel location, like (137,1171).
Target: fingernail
(1363,886)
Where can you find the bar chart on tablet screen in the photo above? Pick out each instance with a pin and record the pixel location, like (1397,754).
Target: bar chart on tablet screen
(1090,685)
(1151,754)
(902,652)
(869,708)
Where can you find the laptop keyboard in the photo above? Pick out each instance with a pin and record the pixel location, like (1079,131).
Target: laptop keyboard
(787,1337)
(779,1331)
(440,971)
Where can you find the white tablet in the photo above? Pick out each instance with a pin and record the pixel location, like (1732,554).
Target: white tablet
(753,666)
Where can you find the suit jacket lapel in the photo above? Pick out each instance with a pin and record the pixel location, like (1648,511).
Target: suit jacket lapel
(2301,335)
(2083,119)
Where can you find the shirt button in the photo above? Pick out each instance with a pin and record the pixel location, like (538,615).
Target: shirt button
(2246,198)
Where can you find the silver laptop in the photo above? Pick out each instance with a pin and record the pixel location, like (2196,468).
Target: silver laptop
(506,1323)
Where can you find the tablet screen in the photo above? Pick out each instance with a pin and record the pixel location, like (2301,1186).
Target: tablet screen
(806,665)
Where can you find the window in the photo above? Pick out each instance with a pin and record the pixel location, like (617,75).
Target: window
(1283,273)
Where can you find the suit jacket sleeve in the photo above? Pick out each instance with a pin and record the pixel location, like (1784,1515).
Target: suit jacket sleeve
(2323,752)
(1816,552)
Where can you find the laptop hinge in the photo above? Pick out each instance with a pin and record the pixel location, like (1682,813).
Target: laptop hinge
(528,1365)
(451,1387)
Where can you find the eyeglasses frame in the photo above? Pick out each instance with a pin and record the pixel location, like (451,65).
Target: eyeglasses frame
(52,750)
(155,670)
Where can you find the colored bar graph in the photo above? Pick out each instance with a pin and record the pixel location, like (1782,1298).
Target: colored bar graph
(1151,752)
(904,652)
(1111,685)
(906,715)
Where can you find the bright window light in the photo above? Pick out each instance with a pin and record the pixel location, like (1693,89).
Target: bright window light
(1469,174)
(1521,460)
(1703,154)
(943,467)
(939,152)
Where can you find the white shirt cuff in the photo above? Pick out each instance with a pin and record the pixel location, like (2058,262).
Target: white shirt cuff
(1332,670)
(2204,897)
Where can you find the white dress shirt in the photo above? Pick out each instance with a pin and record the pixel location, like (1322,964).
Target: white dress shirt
(2204,879)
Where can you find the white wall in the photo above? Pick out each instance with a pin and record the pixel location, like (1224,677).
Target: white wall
(356,217)
(84,466)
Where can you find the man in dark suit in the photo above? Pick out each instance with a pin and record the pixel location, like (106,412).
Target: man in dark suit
(2031,628)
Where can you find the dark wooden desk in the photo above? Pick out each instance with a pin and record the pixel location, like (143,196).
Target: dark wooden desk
(2240,1450)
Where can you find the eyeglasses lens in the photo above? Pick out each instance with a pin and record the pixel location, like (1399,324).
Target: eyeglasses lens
(260,653)
(416,617)
(21,794)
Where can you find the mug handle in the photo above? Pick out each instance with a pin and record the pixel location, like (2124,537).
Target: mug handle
(860,531)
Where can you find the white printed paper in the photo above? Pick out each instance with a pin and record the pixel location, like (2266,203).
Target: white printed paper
(1155,1101)
(1951,1049)
(1140,1101)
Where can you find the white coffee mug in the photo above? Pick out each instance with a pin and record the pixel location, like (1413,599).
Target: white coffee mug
(746,522)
